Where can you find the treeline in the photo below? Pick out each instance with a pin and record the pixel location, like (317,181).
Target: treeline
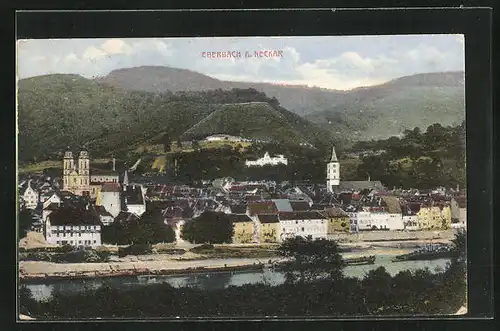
(378,293)
(418,159)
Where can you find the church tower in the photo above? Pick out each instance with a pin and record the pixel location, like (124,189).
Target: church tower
(83,172)
(68,167)
(332,172)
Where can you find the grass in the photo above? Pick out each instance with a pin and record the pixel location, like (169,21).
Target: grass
(224,252)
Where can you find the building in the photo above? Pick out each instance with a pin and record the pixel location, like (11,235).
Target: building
(243,228)
(304,224)
(332,172)
(73,226)
(30,197)
(338,220)
(458,207)
(269,228)
(109,198)
(225,137)
(410,218)
(134,199)
(393,207)
(267,160)
(433,216)
(76,178)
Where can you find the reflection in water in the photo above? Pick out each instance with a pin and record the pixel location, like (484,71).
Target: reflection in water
(219,280)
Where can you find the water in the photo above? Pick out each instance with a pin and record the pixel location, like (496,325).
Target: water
(210,281)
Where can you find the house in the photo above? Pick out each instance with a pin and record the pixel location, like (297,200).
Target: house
(261,207)
(73,226)
(269,228)
(109,198)
(300,205)
(30,197)
(393,207)
(434,216)
(54,198)
(283,205)
(306,223)
(410,218)
(225,137)
(458,206)
(267,160)
(338,220)
(134,199)
(105,217)
(244,228)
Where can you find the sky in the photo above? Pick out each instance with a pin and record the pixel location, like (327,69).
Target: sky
(334,62)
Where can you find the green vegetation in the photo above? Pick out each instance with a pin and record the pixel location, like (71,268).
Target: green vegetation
(227,252)
(427,159)
(72,256)
(146,230)
(57,111)
(309,260)
(386,110)
(210,227)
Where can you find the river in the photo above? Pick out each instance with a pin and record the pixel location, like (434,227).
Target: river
(216,280)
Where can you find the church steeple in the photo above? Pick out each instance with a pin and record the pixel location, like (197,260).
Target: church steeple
(334,155)
(333,172)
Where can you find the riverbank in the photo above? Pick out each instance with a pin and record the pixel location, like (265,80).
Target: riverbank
(38,270)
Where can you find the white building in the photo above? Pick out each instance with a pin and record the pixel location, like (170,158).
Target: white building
(411,222)
(109,198)
(332,172)
(304,224)
(72,226)
(30,197)
(54,198)
(225,137)
(134,199)
(267,160)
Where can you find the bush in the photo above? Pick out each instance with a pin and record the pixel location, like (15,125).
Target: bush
(137,249)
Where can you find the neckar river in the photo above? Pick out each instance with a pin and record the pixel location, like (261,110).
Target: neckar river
(216,280)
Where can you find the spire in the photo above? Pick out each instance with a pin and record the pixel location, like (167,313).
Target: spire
(125,178)
(114,164)
(334,155)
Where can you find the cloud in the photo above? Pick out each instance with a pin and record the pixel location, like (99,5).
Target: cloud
(337,62)
(93,53)
(116,46)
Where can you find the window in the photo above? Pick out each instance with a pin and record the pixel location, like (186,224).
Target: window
(302,229)
(79,241)
(79,234)
(58,242)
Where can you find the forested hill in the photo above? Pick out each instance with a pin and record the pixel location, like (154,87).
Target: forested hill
(374,112)
(57,111)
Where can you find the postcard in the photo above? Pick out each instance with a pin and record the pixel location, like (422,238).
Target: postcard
(241,177)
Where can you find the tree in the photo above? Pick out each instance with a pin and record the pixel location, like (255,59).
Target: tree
(210,227)
(196,144)
(25,222)
(309,259)
(166,142)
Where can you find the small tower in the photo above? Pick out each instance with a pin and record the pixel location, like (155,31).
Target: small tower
(68,167)
(332,172)
(83,163)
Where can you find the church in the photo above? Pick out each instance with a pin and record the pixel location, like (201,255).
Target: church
(78,180)
(335,185)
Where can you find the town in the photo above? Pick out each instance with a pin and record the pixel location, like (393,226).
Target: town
(75,208)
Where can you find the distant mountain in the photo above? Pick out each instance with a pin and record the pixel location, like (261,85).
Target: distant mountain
(57,111)
(299,99)
(388,109)
(362,113)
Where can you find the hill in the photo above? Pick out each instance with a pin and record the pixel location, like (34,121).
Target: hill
(57,111)
(388,109)
(376,112)
(256,120)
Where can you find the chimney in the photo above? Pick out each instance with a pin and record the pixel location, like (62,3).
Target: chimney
(114,164)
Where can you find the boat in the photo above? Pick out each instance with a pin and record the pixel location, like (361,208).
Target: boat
(428,253)
(360,260)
